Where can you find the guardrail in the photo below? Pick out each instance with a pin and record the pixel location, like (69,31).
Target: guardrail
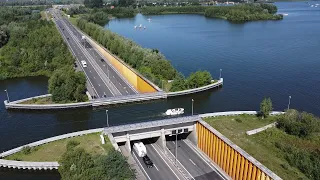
(196,90)
(129,98)
(235,113)
(29,165)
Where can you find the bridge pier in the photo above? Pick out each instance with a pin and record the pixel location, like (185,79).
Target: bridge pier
(193,135)
(128,145)
(162,141)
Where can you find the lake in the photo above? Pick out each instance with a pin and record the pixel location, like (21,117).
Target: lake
(258,59)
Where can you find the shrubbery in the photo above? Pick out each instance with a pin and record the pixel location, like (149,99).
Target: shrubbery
(300,124)
(244,12)
(156,10)
(66,85)
(150,63)
(76,164)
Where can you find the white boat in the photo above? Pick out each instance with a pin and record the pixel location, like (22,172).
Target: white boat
(311,5)
(149,19)
(285,14)
(175,111)
(144,27)
(140,26)
(135,27)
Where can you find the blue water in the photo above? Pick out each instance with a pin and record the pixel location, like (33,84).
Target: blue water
(259,59)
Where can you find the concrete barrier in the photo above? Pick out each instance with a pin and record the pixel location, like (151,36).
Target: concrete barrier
(196,90)
(255,131)
(29,165)
(235,113)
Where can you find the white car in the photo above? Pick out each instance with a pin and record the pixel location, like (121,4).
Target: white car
(84,63)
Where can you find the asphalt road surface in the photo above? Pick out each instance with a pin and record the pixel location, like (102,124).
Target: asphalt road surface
(192,162)
(161,169)
(105,80)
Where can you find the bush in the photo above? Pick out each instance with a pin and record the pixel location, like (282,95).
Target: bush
(300,124)
(26,150)
(72,144)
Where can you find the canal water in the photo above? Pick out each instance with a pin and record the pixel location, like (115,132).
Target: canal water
(266,58)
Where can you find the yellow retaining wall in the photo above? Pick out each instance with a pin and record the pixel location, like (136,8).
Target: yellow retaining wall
(136,81)
(231,161)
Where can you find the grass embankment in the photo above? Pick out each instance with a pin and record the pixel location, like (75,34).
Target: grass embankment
(261,146)
(43,100)
(54,150)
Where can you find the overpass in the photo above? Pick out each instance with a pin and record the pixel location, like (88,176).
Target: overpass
(190,147)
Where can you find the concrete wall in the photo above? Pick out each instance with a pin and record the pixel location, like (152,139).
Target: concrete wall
(140,84)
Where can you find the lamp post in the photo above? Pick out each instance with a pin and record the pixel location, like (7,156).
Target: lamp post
(192,106)
(7,95)
(220,73)
(289,102)
(107,118)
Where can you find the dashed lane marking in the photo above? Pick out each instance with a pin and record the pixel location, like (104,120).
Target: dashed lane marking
(155,166)
(192,162)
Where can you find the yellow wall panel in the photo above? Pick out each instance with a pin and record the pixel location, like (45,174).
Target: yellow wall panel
(234,168)
(140,85)
(258,174)
(210,146)
(215,149)
(249,171)
(222,154)
(241,168)
(263,176)
(228,159)
(245,172)
(231,161)
(254,172)
(238,165)
(219,152)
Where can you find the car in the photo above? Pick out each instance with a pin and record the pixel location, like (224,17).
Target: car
(147,161)
(68,38)
(102,60)
(84,63)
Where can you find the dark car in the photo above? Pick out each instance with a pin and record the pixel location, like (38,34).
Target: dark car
(147,161)
(102,60)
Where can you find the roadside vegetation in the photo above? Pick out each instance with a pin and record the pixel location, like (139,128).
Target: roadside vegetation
(244,12)
(53,151)
(31,46)
(291,150)
(149,62)
(158,10)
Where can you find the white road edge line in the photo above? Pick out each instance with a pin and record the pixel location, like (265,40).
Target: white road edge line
(56,23)
(192,162)
(181,164)
(200,155)
(165,161)
(155,166)
(141,166)
(86,54)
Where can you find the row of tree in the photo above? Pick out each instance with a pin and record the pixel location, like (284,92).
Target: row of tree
(77,164)
(244,12)
(30,46)
(148,62)
(156,10)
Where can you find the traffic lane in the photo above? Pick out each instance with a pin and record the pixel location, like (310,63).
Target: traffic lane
(197,167)
(92,61)
(160,169)
(112,74)
(96,81)
(120,83)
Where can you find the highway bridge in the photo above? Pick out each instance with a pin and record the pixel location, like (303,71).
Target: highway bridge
(103,78)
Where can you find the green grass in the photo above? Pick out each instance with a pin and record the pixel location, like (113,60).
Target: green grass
(73,20)
(54,150)
(43,100)
(262,145)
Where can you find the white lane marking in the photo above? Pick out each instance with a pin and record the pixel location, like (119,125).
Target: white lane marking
(98,84)
(119,83)
(155,166)
(94,77)
(165,161)
(113,76)
(173,142)
(141,166)
(90,71)
(127,92)
(192,162)
(211,166)
(181,164)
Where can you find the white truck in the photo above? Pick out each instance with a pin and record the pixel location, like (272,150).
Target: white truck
(140,149)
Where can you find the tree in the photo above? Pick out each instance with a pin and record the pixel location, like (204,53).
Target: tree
(265,107)
(199,79)
(66,85)
(179,83)
(4,35)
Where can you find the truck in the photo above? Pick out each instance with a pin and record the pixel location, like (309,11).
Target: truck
(140,149)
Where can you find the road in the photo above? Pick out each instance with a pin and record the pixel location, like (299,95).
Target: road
(192,162)
(105,80)
(162,170)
